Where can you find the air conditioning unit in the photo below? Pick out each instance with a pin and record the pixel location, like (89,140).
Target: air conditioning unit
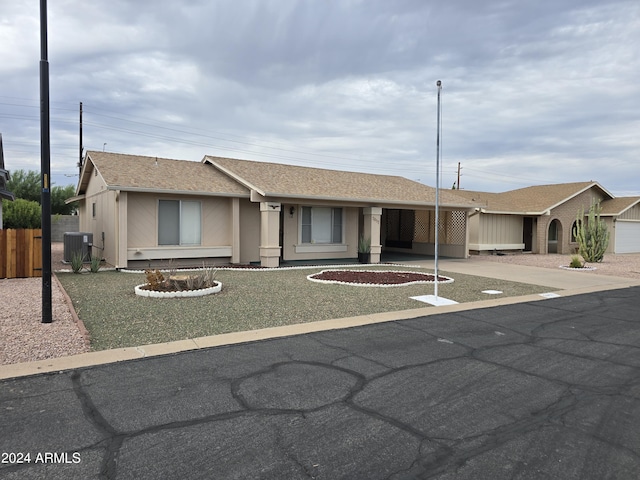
(77,242)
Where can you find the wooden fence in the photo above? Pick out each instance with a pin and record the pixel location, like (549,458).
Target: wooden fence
(20,253)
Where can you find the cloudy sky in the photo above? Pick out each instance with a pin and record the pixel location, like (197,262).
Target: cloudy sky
(534,91)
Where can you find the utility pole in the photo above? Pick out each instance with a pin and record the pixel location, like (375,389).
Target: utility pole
(81,148)
(458,183)
(45,167)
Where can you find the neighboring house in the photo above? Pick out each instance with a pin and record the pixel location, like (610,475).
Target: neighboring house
(144,211)
(4,178)
(540,219)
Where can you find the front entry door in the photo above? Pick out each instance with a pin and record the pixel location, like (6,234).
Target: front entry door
(527,233)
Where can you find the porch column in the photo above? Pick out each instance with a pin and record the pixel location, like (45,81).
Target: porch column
(121,237)
(270,234)
(372,230)
(235,230)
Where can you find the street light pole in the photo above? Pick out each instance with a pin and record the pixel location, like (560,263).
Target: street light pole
(45,168)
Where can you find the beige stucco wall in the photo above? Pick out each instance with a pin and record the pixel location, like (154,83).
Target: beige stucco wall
(249,231)
(142,219)
(141,239)
(104,219)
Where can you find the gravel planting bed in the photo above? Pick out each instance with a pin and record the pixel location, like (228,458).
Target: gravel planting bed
(368,278)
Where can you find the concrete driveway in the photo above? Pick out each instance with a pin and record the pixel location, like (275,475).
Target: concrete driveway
(544,389)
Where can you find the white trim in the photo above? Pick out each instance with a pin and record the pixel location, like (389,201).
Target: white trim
(151,253)
(320,247)
(496,246)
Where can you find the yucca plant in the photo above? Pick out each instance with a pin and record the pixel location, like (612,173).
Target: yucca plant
(77,262)
(592,236)
(95,263)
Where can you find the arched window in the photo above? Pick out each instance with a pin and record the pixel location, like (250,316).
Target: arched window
(574,225)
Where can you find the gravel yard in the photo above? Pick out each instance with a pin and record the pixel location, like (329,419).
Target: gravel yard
(625,265)
(24,338)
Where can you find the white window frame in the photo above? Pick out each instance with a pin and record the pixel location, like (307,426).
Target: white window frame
(181,218)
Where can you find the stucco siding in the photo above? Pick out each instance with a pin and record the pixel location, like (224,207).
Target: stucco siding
(249,231)
(142,219)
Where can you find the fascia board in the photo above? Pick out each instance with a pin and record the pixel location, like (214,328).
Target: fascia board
(176,192)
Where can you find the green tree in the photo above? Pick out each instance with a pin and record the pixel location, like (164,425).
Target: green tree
(25,185)
(58,197)
(592,236)
(21,213)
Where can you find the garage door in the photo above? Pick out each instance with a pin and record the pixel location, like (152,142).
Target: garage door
(627,237)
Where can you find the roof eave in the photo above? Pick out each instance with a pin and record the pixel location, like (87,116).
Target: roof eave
(375,201)
(176,192)
(5,195)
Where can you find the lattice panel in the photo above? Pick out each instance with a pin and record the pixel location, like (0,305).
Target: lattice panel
(407,222)
(451,228)
(422,231)
(455,227)
(393,222)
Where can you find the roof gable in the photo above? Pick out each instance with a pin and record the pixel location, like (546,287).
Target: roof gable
(290,181)
(534,200)
(152,174)
(617,206)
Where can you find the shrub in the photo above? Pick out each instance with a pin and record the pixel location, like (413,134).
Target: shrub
(21,214)
(592,237)
(576,262)
(364,245)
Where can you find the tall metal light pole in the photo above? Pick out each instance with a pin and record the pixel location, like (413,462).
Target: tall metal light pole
(437,230)
(45,167)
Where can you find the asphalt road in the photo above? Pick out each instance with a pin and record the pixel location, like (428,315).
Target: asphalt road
(541,390)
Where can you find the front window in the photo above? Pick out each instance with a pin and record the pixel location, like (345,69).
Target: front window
(321,225)
(179,222)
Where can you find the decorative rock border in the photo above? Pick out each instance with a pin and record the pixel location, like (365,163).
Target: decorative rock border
(337,282)
(581,269)
(180,294)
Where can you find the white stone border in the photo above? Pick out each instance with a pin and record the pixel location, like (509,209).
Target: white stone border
(180,294)
(337,282)
(581,269)
(276,269)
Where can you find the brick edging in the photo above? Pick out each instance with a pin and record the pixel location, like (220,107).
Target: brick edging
(83,330)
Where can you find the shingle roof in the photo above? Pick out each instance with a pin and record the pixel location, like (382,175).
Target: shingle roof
(135,172)
(616,206)
(290,181)
(535,200)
